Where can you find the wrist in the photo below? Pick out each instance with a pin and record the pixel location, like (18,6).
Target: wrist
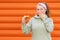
(45,17)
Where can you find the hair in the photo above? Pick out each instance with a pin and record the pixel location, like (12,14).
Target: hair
(47,11)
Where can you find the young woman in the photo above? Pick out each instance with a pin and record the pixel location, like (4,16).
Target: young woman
(41,25)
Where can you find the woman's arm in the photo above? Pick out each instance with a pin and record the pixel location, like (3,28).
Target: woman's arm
(26,28)
(48,22)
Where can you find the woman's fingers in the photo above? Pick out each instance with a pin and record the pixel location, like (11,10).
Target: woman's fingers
(41,15)
(25,18)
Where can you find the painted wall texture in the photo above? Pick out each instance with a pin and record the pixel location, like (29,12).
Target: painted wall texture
(12,11)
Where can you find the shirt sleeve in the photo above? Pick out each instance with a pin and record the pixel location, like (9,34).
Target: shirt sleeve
(48,22)
(26,28)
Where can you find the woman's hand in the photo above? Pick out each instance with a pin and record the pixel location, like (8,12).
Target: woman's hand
(41,15)
(25,18)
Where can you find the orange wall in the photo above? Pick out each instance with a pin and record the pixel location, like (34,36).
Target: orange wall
(12,11)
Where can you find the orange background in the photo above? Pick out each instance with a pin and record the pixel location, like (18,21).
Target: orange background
(12,11)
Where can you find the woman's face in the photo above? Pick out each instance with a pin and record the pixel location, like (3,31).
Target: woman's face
(40,9)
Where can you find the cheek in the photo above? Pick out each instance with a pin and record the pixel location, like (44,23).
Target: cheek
(43,11)
(38,12)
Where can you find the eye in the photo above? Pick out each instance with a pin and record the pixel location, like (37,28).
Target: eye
(41,9)
(37,9)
